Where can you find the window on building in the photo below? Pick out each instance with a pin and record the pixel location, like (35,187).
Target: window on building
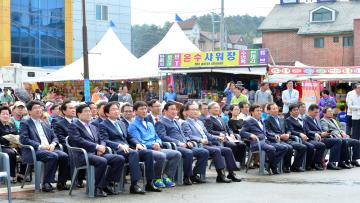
(348,41)
(336,39)
(322,15)
(319,42)
(101,12)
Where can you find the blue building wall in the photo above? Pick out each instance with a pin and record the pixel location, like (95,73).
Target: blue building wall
(119,12)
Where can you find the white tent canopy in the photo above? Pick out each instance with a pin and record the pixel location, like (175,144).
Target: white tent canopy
(108,60)
(175,41)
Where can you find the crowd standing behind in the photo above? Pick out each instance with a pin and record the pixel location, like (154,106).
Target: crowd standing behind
(164,137)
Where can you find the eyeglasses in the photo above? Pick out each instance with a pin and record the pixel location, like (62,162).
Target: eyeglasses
(128,111)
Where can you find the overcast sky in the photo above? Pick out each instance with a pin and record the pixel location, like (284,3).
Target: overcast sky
(159,11)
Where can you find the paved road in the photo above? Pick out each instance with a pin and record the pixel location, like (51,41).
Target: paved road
(326,186)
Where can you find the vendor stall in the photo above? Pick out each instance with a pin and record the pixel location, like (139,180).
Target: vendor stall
(207,73)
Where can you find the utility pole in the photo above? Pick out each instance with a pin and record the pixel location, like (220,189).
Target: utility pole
(85,54)
(213,31)
(222,36)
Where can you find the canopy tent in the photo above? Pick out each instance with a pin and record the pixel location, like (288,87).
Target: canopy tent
(277,74)
(175,41)
(108,60)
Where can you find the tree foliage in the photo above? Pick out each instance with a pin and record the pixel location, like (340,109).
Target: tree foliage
(144,37)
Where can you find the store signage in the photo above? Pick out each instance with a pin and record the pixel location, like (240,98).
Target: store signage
(292,70)
(245,57)
(282,2)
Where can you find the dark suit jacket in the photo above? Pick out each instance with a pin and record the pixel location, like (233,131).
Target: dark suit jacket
(79,137)
(125,122)
(312,127)
(295,127)
(150,119)
(30,136)
(61,130)
(213,126)
(113,137)
(113,97)
(251,126)
(189,129)
(273,129)
(169,133)
(5,130)
(97,122)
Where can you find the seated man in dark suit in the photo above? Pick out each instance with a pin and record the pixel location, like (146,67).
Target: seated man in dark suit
(329,124)
(216,126)
(196,131)
(101,116)
(169,130)
(316,133)
(82,134)
(254,128)
(61,127)
(154,111)
(127,114)
(315,149)
(277,132)
(115,134)
(39,135)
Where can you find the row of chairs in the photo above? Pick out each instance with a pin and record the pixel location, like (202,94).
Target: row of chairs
(77,165)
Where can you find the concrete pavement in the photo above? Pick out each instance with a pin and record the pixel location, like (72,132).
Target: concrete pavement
(314,186)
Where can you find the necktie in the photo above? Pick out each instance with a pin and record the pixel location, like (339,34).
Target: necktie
(176,125)
(89,130)
(277,121)
(290,91)
(118,128)
(156,119)
(331,120)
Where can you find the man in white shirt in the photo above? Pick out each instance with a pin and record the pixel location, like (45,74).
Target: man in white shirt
(289,96)
(263,96)
(349,113)
(244,111)
(39,135)
(353,102)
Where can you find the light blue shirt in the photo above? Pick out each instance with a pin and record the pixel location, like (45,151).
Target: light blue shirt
(40,131)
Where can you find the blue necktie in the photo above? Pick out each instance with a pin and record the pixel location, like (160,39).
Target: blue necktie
(176,125)
(118,128)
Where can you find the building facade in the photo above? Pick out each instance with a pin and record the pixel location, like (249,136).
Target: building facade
(321,34)
(209,41)
(49,32)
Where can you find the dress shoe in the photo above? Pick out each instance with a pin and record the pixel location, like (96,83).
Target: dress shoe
(109,191)
(332,166)
(20,178)
(308,168)
(100,193)
(62,186)
(318,167)
(344,166)
(222,179)
(297,169)
(274,170)
(151,188)
(286,170)
(197,179)
(47,187)
(355,164)
(135,189)
(80,184)
(187,181)
(232,177)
